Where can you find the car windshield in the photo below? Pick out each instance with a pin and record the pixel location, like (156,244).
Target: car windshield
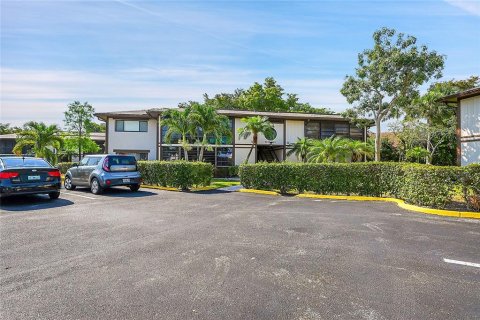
(24,162)
(122,160)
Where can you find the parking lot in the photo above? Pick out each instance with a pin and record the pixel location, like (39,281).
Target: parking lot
(170,255)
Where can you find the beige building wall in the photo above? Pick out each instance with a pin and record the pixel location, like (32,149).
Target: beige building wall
(470,116)
(470,130)
(470,153)
(295,130)
(292,157)
(241,154)
(133,141)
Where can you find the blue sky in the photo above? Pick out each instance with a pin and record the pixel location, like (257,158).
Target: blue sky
(121,55)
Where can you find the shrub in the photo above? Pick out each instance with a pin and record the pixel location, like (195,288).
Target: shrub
(176,174)
(226,172)
(429,185)
(64,166)
(418,184)
(471,186)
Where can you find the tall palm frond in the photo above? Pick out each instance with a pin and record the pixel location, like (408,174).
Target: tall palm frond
(178,122)
(44,141)
(254,126)
(359,149)
(301,148)
(206,118)
(333,149)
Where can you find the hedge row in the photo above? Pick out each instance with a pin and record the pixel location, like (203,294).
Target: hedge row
(415,183)
(176,174)
(64,166)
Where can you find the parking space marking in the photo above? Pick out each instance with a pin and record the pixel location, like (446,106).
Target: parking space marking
(463,263)
(79,195)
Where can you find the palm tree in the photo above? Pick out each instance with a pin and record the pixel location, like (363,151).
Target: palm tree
(417,154)
(254,126)
(206,118)
(178,121)
(43,140)
(359,149)
(333,149)
(301,148)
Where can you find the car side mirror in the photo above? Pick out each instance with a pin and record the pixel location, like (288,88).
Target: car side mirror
(75,164)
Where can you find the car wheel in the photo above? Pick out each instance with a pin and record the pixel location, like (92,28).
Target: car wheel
(67,183)
(54,195)
(134,187)
(95,186)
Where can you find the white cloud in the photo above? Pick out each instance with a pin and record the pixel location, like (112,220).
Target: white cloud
(44,94)
(470,6)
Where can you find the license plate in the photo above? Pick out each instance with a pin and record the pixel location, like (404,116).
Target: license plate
(126,180)
(33,178)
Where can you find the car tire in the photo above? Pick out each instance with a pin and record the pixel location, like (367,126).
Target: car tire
(95,186)
(67,183)
(134,187)
(54,195)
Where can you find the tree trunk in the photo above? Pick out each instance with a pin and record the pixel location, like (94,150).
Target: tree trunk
(378,140)
(185,151)
(202,147)
(428,158)
(254,145)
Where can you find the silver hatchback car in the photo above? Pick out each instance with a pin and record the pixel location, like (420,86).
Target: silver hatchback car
(104,171)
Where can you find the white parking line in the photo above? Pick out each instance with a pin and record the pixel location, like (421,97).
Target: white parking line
(463,263)
(79,195)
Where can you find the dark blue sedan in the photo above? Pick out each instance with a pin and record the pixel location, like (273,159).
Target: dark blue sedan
(24,175)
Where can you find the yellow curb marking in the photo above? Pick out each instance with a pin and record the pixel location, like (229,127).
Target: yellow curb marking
(271,193)
(159,188)
(401,204)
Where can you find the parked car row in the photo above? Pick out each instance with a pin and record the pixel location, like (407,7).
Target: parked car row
(29,175)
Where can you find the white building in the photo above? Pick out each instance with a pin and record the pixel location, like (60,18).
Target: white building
(139,133)
(468,125)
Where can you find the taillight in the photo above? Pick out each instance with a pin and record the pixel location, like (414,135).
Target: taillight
(54,173)
(8,175)
(105,165)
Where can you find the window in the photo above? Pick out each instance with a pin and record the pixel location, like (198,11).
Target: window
(121,160)
(208,156)
(224,157)
(328,129)
(131,126)
(342,129)
(174,138)
(170,153)
(356,133)
(84,161)
(93,161)
(143,126)
(312,130)
(24,162)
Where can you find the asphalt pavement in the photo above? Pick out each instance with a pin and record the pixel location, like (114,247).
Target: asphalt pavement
(228,255)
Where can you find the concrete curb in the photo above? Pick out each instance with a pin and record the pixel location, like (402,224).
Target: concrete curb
(400,203)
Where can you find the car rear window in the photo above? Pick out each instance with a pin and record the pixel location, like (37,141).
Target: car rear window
(122,160)
(25,162)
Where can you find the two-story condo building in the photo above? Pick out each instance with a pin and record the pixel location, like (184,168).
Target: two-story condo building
(139,133)
(468,124)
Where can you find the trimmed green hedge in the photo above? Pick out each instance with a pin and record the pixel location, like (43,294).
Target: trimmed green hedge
(415,183)
(64,166)
(471,186)
(226,172)
(176,174)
